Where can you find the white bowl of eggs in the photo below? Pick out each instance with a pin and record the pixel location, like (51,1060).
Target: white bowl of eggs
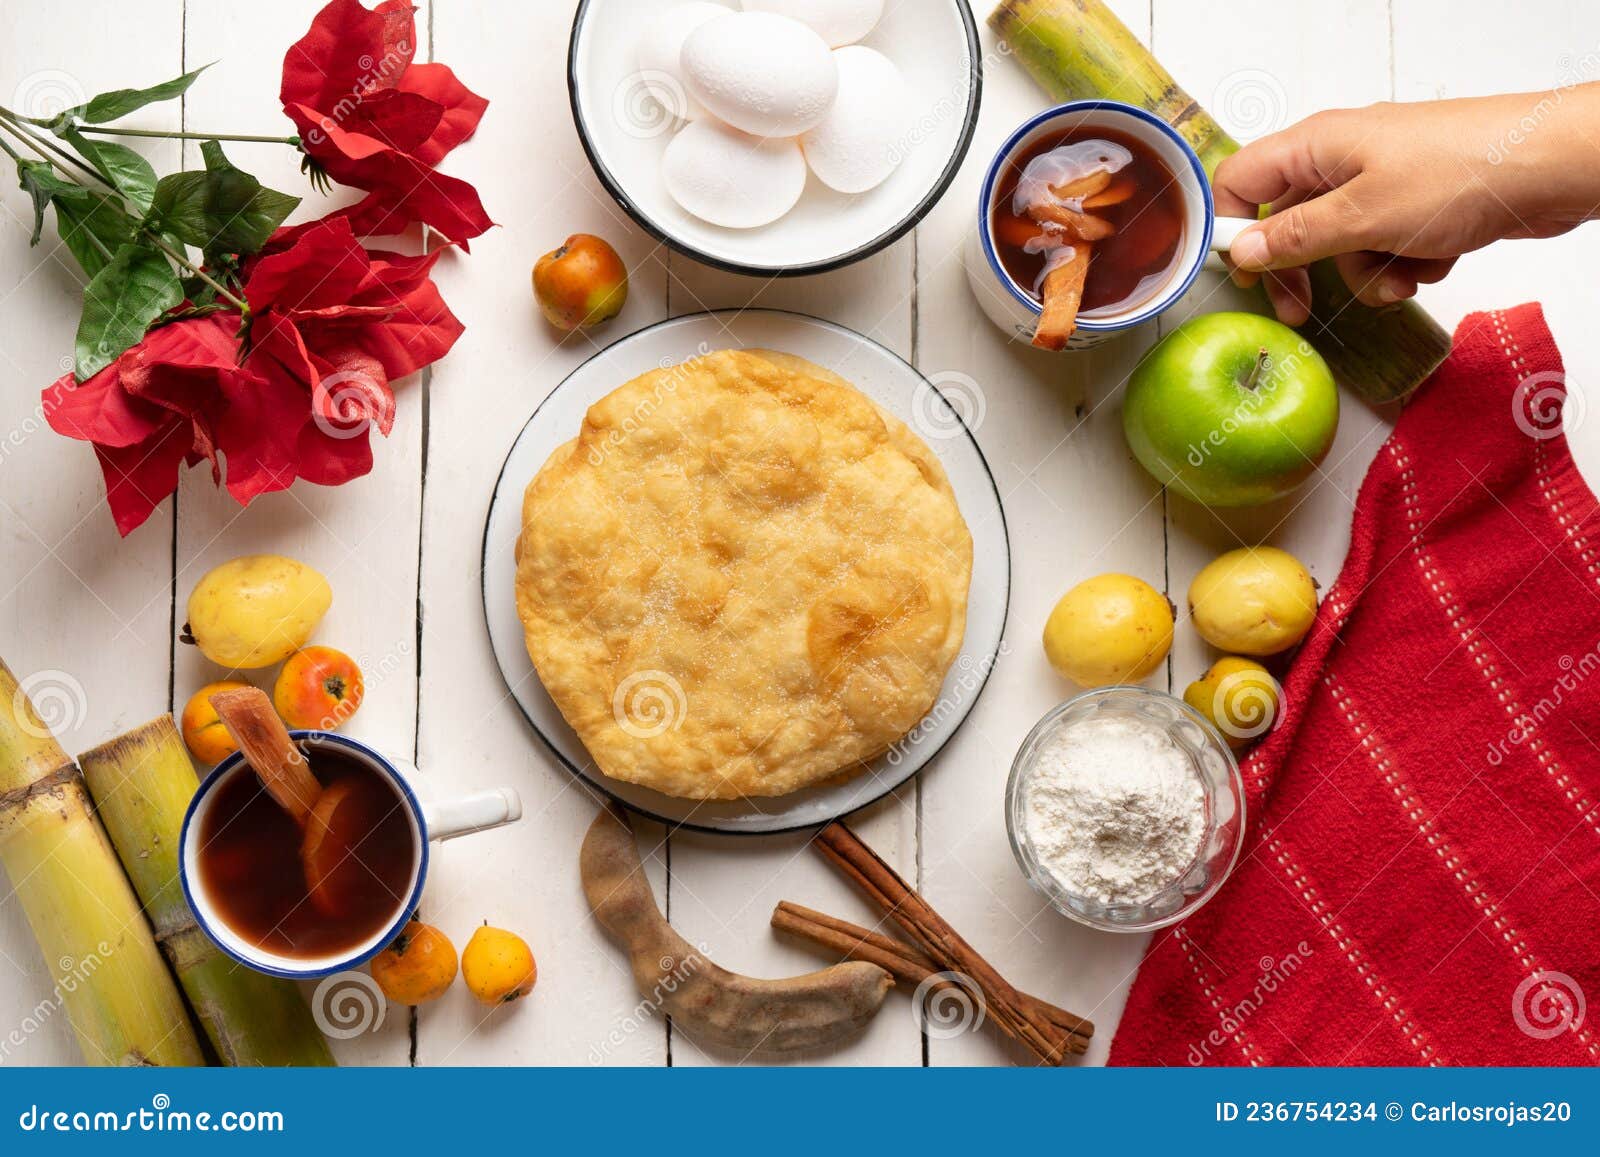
(775,137)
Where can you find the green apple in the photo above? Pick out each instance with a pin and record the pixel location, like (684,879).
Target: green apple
(1231,409)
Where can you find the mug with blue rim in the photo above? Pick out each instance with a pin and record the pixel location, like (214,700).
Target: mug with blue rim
(428,821)
(1011,307)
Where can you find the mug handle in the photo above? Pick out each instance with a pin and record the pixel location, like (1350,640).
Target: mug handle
(1223,231)
(447,819)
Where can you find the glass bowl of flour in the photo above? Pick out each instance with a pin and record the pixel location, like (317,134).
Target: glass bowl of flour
(1125,809)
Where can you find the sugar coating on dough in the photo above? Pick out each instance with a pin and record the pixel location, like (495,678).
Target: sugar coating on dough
(742,578)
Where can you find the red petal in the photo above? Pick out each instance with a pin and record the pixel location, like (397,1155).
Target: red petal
(339,145)
(371,216)
(408,188)
(443,202)
(399,273)
(205,449)
(330,461)
(172,369)
(276,348)
(463,108)
(182,390)
(375,216)
(99,410)
(139,477)
(349,51)
(321,268)
(257,430)
(419,332)
(401,120)
(351,393)
(211,340)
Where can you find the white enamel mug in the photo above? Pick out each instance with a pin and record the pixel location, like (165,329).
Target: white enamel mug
(429,822)
(1013,309)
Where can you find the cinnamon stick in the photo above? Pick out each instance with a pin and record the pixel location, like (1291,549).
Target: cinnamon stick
(1083,226)
(941,943)
(903,962)
(248,715)
(1062,295)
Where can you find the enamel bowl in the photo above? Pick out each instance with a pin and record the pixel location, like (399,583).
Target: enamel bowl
(624,131)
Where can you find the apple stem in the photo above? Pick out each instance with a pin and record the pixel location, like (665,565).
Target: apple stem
(1263,360)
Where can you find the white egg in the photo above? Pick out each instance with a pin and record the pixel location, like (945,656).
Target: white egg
(866,132)
(730,178)
(839,22)
(766,74)
(660,50)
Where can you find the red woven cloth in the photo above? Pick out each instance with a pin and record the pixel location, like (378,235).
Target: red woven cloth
(1420,882)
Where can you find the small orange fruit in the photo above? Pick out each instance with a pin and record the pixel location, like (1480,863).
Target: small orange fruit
(583,283)
(417,967)
(319,688)
(498,966)
(208,740)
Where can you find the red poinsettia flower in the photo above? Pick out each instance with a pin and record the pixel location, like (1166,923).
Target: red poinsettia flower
(335,321)
(150,411)
(331,327)
(375,119)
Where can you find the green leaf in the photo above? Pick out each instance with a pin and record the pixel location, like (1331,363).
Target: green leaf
(134,289)
(109,106)
(40,182)
(222,210)
(127,172)
(98,217)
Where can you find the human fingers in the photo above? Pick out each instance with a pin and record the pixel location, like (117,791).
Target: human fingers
(1381,278)
(1428,270)
(1308,231)
(1317,153)
(1289,291)
(1375,278)
(1241,278)
(1245,279)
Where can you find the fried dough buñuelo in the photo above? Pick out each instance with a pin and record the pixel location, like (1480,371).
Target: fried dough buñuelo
(742,578)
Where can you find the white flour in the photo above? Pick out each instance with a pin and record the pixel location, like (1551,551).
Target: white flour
(1114,809)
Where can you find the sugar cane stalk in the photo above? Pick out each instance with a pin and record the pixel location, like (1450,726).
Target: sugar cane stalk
(109,975)
(1078,49)
(142,783)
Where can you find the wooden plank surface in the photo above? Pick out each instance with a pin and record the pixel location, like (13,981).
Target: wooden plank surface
(362,536)
(94,617)
(85,619)
(1076,505)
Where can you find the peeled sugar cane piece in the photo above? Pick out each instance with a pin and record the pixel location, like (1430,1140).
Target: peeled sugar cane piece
(711,1004)
(142,783)
(109,975)
(1078,50)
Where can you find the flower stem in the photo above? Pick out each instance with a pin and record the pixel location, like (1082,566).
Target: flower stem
(34,143)
(7,121)
(40,144)
(163,134)
(184,263)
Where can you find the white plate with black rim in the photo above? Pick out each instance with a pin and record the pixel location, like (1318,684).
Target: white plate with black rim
(625,130)
(886,379)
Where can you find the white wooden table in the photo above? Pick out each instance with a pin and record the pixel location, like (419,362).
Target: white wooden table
(401,546)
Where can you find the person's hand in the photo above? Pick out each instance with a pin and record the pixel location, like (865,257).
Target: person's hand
(1394,193)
